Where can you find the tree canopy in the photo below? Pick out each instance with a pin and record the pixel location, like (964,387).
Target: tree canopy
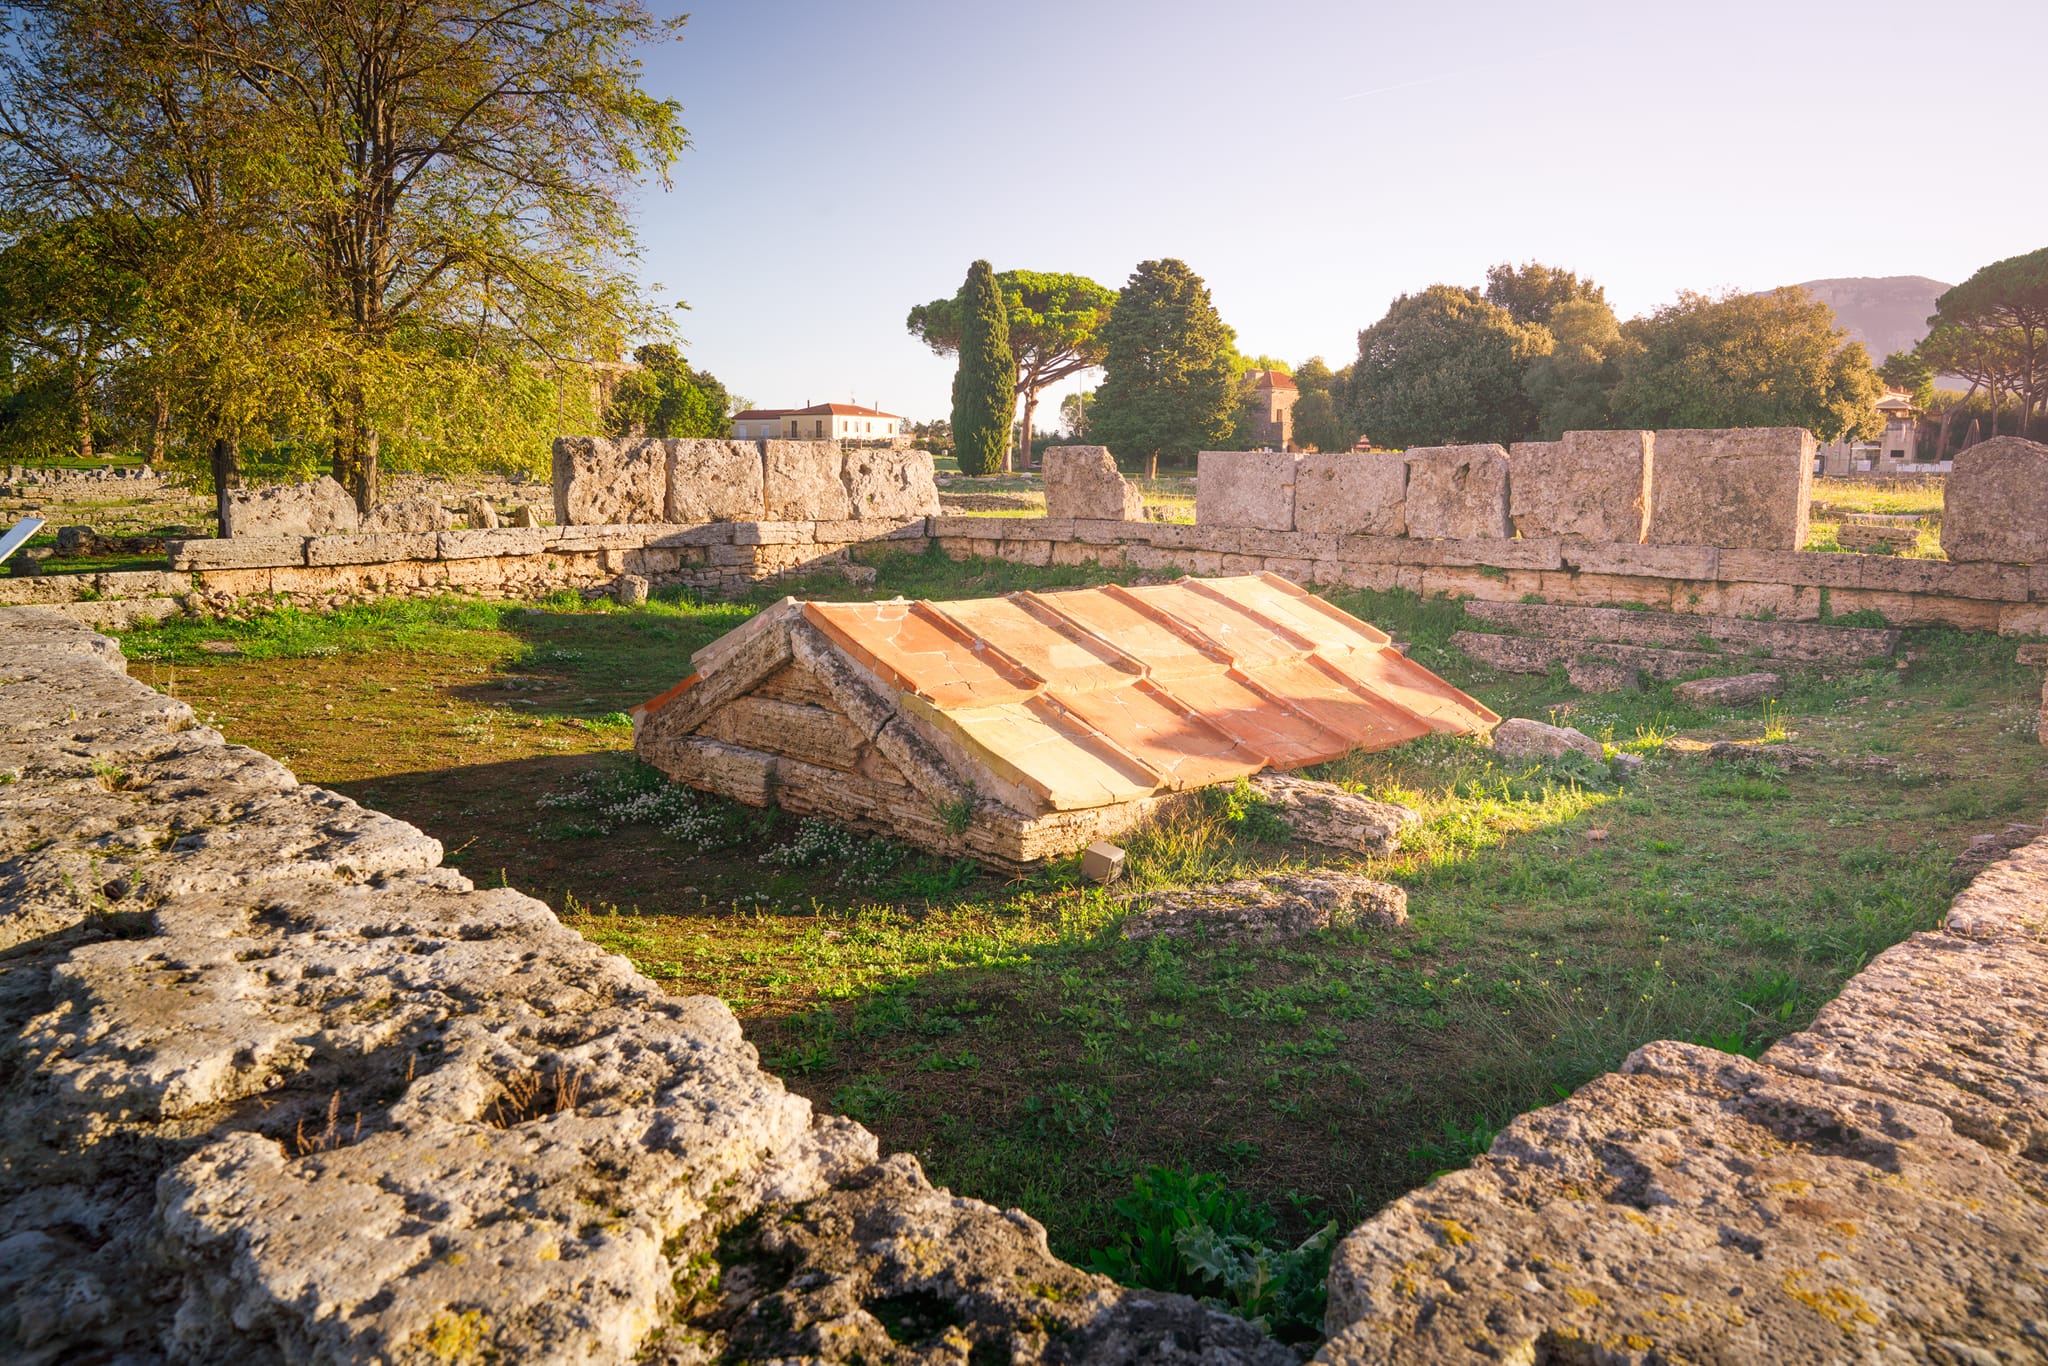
(1533,291)
(665,396)
(1444,366)
(984,386)
(1775,359)
(431,200)
(1569,384)
(1992,329)
(1055,325)
(1167,370)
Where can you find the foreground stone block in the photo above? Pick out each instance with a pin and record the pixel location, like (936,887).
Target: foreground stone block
(605,481)
(802,483)
(245,552)
(714,481)
(1458,493)
(1324,813)
(1245,489)
(1995,503)
(889,485)
(1084,482)
(1741,488)
(408,516)
(1277,905)
(1520,738)
(1742,690)
(1351,493)
(1592,485)
(310,509)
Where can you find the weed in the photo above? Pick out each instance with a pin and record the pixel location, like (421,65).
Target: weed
(535,1095)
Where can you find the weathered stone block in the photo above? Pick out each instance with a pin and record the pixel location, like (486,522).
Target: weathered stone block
(243,552)
(714,481)
(1245,489)
(1083,481)
(310,509)
(1742,690)
(801,482)
(1458,492)
(889,485)
(1351,493)
(604,480)
(1521,738)
(1995,503)
(1594,485)
(1738,487)
(1657,561)
(480,545)
(372,549)
(407,515)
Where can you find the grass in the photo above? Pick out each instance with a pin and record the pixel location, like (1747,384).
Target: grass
(1000,1027)
(1834,500)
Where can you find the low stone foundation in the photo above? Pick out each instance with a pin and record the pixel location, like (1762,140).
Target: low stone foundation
(276,1085)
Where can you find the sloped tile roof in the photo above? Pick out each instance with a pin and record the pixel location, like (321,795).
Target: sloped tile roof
(1101,695)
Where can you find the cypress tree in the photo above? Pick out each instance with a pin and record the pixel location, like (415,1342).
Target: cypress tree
(985,386)
(1167,384)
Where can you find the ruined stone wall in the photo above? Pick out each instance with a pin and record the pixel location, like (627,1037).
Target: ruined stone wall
(275,1085)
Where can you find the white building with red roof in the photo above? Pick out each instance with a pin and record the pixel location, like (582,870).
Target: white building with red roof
(819,422)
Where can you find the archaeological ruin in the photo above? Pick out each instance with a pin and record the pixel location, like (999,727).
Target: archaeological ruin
(280,1085)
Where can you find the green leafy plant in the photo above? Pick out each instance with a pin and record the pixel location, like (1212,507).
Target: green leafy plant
(1247,811)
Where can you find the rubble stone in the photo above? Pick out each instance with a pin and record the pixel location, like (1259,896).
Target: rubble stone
(1323,813)
(1593,485)
(630,590)
(1084,482)
(408,515)
(1352,493)
(1458,493)
(527,515)
(1994,504)
(1741,488)
(1276,905)
(1602,675)
(480,514)
(1245,489)
(601,481)
(314,508)
(1520,738)
(1741,690)
(713,481)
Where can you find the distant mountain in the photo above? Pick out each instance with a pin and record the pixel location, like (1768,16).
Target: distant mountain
(1886,313)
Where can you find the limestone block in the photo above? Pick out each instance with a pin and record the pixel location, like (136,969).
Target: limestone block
(408,515)
(141,583)
(630,590)
(1351,493)
(1245,489)
(1594,485)
(1458,492)
(601,480)
(310,509)
(1323,813)
(479,513)
(1742,690)
(889,485)
(1084,482)
(372,549)
(1995,503)
(527,515)
(1743,488)
(1520,738)
(243,552)
(713,481)
(801,482)
(481,545)
(1270,907)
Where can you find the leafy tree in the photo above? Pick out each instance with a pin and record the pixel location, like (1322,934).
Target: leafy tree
(447,189)
(1074,414)
(1995,325)
(1167,369)
(984,387)
(1569,386)
(1908,373)
(1444,366)
(1314,376)
(1055,325)
(1532,292)
(1747,360)
(63,301)
(666,397)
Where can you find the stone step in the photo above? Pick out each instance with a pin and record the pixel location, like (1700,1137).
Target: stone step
(1534,655)
(1804,641)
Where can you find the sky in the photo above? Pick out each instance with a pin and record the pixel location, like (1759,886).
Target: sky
(1311,161)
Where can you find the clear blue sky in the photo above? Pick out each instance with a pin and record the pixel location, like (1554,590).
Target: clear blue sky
(1312,161)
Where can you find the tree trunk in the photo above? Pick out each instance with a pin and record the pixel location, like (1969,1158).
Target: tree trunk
(355,454)
(226,475)
(1024,445)
(160,428)
(83,394)
(1152,465)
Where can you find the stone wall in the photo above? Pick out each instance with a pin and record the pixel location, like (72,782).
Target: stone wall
(276,1085)
(601,481)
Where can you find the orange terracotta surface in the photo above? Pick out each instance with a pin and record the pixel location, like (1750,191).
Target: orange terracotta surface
(1103,695)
